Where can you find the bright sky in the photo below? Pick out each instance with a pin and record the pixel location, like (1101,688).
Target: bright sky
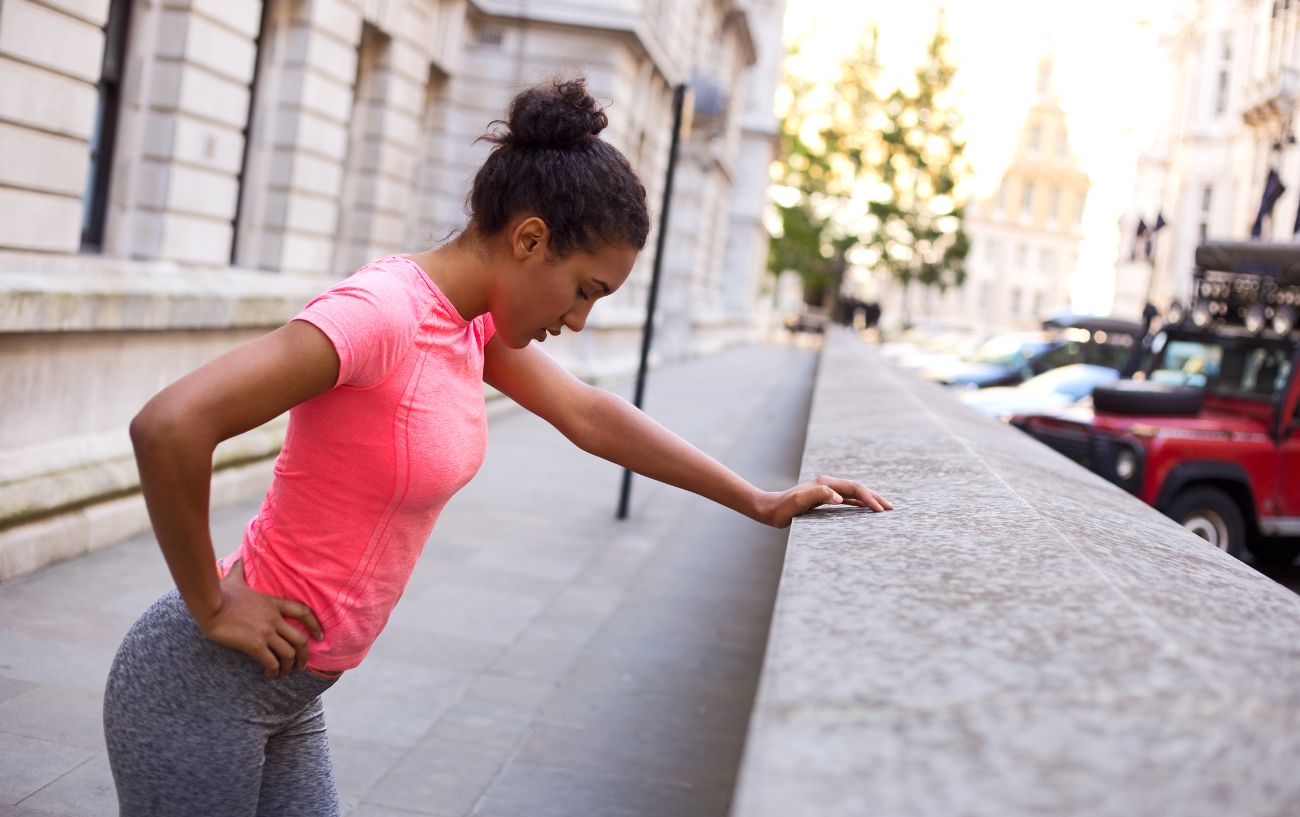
(1105,51)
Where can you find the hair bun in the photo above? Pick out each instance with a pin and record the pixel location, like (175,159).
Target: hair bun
(558,115)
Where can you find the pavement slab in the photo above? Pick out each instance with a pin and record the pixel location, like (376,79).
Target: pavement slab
(546,658)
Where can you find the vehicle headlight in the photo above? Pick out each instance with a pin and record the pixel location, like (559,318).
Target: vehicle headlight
(1255,320)
(1126,464)
(1284,321)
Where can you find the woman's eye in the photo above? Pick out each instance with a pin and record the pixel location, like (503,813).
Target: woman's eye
(582,295)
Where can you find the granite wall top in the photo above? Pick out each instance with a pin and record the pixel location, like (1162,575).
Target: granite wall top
(1018,637)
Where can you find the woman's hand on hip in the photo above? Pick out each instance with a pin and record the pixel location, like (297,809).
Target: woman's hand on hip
(255,624)
(783,506)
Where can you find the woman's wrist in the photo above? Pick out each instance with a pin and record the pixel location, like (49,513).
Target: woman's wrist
(763,506)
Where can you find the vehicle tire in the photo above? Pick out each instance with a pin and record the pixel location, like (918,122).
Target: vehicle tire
(1140,397)
(1213,515)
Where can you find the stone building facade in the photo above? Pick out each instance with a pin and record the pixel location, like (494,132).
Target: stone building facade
(179,176)
(1225,105)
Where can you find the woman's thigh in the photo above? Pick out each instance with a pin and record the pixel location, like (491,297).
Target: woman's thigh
(188,721)
(298,777)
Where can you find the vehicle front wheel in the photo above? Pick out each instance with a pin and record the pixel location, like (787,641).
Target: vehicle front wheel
(1212,515)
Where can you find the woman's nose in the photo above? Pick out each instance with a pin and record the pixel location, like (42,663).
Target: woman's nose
(576,318)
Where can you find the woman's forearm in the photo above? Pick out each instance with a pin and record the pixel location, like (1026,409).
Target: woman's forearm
(175,467)
(616,430)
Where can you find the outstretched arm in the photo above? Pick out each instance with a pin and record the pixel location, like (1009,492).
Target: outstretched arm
(608,426)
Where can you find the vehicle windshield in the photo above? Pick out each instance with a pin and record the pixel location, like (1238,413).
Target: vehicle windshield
(1237,366)
(1073,381)
(1007,351)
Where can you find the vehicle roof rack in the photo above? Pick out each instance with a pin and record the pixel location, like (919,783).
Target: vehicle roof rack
(1251,257)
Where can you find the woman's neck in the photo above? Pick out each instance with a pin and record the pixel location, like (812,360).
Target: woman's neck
(461,274)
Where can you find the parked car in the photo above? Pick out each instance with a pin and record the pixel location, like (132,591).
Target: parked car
(922,347)
(810,319)
(1208,430)
(1013,357)
(1002,360)
(1042,393)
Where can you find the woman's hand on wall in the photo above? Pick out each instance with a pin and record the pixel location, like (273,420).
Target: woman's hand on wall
(783,506)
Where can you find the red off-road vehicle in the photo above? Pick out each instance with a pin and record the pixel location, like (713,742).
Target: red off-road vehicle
(1208,430)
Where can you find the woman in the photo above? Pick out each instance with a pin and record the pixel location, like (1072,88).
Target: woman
(213,703)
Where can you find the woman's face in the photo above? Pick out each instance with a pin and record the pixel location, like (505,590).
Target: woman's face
(546,296)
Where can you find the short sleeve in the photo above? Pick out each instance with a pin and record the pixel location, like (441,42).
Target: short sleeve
(371,319)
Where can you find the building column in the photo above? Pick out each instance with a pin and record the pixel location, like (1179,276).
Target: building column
(289,215)
(180,143)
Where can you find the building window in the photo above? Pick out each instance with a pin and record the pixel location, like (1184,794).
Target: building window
(1047,260)
(1207,205)
(240,180)
(1022,256)
(1027,199)
(1015,300)
(1035,140)
(95,201)
(1054,207)
(357,203)
(1221,94)
(1038,304)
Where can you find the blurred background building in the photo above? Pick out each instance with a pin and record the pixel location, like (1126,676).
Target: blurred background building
(1224,103)
(1025,237)
(179,176)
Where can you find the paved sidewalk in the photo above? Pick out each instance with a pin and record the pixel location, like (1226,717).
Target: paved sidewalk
(546,660)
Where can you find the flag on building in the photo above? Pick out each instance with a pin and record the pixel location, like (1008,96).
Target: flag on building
(1151,236)
(1273,190)
(1137,238)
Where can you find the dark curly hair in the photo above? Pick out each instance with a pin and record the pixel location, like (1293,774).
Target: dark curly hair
(550,161)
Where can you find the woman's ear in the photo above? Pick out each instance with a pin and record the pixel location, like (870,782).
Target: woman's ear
(529,239)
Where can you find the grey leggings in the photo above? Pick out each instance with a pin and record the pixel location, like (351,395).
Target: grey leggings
(194,728)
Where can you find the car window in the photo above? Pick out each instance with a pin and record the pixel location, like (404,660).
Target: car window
(1069,352)
(1265,371)
(1188,363)
(1106,354)
(1000,351)
(1225,365)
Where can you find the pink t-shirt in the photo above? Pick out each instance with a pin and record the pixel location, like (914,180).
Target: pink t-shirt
(367,467)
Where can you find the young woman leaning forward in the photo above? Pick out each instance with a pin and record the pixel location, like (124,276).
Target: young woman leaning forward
(213,702)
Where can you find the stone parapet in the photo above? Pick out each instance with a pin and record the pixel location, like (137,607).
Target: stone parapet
(1017,637)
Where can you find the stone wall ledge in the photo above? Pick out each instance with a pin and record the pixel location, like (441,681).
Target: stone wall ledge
(1018,637)
(84,293)
(44,479)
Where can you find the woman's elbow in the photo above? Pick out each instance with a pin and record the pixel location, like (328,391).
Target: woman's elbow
(154,427)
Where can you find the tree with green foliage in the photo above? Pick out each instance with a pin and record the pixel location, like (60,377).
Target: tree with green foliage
(823,148)
(919,207)
(872,172)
